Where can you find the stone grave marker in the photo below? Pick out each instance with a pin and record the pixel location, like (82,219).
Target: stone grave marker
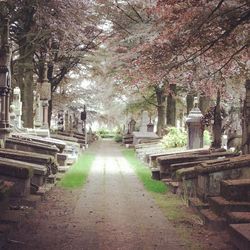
(195,127)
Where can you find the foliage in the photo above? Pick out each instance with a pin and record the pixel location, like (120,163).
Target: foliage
(105,133)
(144,173)
(207,138)
(78,173)
(174,138)
(118,138)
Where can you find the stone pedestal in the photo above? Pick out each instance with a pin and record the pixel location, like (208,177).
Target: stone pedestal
(5,80)
(195,128)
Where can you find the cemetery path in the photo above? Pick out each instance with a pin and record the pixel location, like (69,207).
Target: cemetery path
(112,211)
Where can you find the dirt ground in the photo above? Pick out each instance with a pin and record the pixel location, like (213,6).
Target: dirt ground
(112,211)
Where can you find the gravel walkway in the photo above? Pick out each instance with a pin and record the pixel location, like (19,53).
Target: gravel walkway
(112,211)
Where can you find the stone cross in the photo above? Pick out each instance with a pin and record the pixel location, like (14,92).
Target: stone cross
(195,127)
(144,122)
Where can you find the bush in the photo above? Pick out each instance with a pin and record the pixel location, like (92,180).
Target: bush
(207,138)
(174,138)
(118,138)
(103,133)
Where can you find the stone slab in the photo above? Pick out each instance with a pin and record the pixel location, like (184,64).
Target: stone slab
(240,235)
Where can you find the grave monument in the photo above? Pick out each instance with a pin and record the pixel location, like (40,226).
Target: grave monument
(5,80)
(143,131)
(195,127)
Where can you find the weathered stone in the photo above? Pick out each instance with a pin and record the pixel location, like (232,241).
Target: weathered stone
(240,235)
(236,190)
(28,145)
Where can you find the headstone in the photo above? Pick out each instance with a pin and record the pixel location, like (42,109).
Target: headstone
(66,118)
(195,127)
(38,110)
(60,121)
(150,127)
(17,106)
(13,120)
(44,88)
(131,126)
(144,121)
(143,133)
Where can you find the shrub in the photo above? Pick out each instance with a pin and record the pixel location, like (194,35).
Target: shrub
(118,138)
(174,138)
(207,138)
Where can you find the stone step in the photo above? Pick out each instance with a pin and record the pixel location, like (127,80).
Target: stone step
(155,173)
(238,217)
(240,235)
(237,190)
(197,205)
(173,185)
(212,221)
(221,206)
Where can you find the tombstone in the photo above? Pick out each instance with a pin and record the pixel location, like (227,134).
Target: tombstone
(131,126)
(83,118)
(66,118)
(144,121)
(17,106)
(70,123)
(195,127)
(143,132)
(60,121)
(150,127)
(44,88)
(38,110)
(12,114)
(5,80)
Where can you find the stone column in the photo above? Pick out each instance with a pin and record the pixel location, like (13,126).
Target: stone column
(195,127)
(38,110)
(5,80)
(66,118)
(45,95)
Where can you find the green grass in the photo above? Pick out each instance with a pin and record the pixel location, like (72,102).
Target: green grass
(78,173)
(144,173)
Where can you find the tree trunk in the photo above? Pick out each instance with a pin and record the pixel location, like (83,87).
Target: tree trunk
(161,109)
(190,102)
(26,84)
(171,106)
(217,130)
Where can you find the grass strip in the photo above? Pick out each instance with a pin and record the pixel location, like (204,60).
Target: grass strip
(78,173)
(144,173)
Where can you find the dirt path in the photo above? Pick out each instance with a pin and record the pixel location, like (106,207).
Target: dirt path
(112,211)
